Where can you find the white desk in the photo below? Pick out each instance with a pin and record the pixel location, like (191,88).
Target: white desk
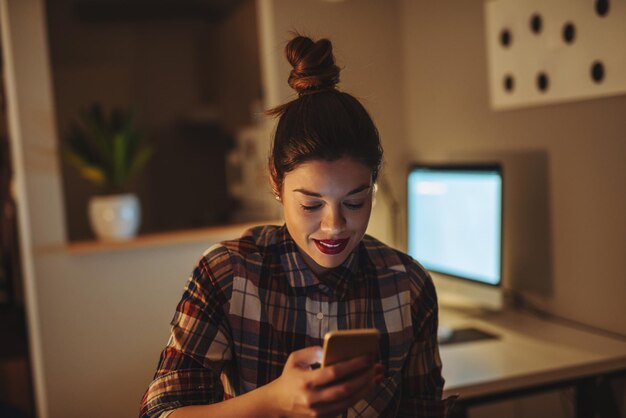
(530,354)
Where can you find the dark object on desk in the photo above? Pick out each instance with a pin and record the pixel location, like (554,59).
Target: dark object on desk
(464,335)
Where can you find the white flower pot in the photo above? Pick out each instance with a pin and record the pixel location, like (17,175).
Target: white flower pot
(115,217)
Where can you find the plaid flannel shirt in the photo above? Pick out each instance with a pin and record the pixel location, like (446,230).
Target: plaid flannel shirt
(250,302)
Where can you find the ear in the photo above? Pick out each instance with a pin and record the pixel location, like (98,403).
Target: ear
(374,190)
(276,188)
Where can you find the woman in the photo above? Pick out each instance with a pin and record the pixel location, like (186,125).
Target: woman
(254,313)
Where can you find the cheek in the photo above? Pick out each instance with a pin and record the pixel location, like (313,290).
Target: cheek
(298,220)
(364,221)
(360,219)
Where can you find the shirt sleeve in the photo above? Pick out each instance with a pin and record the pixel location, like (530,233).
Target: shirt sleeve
(199,346)
(422,382)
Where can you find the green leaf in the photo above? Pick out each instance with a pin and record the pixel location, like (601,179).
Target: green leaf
(96,132)
(92,173)
(140,160)
(106,149)
(119,159)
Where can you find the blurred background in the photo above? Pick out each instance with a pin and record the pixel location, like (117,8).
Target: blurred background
(83,321)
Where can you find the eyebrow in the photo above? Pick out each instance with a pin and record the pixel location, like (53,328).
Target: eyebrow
(351,192)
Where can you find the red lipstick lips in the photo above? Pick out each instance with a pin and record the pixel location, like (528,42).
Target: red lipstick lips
(331,246)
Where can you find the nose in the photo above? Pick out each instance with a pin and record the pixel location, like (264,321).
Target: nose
(333,221)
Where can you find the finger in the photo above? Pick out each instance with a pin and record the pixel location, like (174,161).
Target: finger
(333,400)
(305,357)
(341,370)
(336,407)
(345,389)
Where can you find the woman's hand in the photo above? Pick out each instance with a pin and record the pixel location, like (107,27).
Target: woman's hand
(325,392)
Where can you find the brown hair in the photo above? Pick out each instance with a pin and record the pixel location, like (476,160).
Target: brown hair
(323,122)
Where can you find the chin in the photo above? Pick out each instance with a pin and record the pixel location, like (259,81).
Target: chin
(331,264)
(332,261)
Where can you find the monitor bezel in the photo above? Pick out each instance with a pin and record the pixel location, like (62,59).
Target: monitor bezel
(458,167)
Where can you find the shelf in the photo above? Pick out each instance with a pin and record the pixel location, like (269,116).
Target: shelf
(212,234)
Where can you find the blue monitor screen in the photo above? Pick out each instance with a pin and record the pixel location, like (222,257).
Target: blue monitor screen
(455,220)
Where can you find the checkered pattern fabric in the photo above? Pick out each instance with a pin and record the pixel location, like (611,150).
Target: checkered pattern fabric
(250,302)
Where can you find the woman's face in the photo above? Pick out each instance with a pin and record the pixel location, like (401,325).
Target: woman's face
(327,206)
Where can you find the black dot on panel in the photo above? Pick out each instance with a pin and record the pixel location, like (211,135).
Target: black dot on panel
(536,23)
(569,33)
(542,82)
(509,83)
(506,38)
(602,7)
(597,71)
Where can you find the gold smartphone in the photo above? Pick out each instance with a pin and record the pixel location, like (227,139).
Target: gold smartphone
(345,344)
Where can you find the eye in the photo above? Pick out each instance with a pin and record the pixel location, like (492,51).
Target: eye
(310,208)
(353,206)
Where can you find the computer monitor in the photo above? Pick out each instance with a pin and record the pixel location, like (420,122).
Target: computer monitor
(455,230)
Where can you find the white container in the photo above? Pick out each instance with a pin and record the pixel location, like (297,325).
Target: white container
(115,217)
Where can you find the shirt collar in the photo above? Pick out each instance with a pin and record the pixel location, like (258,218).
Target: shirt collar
(299,274)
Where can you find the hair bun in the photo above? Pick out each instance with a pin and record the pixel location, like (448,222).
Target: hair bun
(313,65)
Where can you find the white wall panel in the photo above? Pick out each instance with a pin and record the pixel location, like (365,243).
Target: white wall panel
(521,55)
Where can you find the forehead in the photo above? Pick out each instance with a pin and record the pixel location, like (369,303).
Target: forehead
(342,175)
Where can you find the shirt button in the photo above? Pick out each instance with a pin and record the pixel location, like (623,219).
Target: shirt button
(320,315)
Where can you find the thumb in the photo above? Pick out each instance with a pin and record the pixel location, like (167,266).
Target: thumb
(305,357)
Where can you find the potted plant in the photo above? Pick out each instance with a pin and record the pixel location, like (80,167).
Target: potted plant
(108,151)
